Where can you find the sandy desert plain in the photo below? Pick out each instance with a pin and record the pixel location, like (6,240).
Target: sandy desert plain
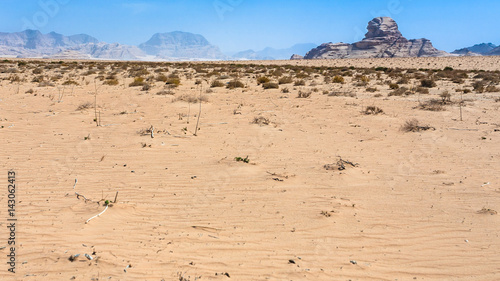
(419,201)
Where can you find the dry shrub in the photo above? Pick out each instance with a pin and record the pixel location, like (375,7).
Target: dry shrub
(342,94)
(491,89)
(338,79)
(478,86)
(111,82)
(270,85)
(70,82)
(166,93)
(45,84)
(161,78)
(85,105)
(235,84)
(173,81)
(428,83)
(371,89)
(372,110)
(285,80)
(432,105)
(261,120)
(400,92)
(263,80)
(304,95)
(393,86)
(414,125)
(422,90)
(300,82)
(138,81)
(192,98)
(216,84)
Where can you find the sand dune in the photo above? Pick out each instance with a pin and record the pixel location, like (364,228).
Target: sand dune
(418,206)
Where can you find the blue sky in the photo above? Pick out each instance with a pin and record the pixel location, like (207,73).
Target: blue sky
(236,25)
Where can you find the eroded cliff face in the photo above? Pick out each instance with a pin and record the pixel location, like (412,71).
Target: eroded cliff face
(383,40)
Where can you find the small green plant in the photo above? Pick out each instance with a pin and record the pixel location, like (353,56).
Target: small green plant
(240,159)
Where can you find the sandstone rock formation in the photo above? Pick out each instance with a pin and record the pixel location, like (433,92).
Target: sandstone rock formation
(383,40)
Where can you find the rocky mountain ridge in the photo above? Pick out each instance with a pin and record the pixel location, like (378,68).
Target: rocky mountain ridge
(483,49)
(383,40)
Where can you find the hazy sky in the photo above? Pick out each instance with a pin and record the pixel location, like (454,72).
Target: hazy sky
(236,25)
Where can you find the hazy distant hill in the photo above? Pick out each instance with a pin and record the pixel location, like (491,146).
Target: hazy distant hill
(494,52)
(274,54)
(172,46)
(34,43)
(481,49)
(180,45)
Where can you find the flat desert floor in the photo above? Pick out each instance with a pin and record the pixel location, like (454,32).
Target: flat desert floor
(330,185)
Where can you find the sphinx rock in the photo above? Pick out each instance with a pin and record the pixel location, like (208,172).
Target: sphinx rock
(383,40)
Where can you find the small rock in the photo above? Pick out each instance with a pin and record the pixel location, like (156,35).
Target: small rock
(354,262)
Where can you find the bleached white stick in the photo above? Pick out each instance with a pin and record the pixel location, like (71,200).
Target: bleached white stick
(98,214)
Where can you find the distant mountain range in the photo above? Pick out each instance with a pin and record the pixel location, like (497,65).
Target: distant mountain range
(483,49)
(169,46)
(382,40)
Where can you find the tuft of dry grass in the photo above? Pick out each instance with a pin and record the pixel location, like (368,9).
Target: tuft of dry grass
(261,120)
(84,106)
(192,98)
(432,105)
(414,125)
(304,95)
(372,110)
